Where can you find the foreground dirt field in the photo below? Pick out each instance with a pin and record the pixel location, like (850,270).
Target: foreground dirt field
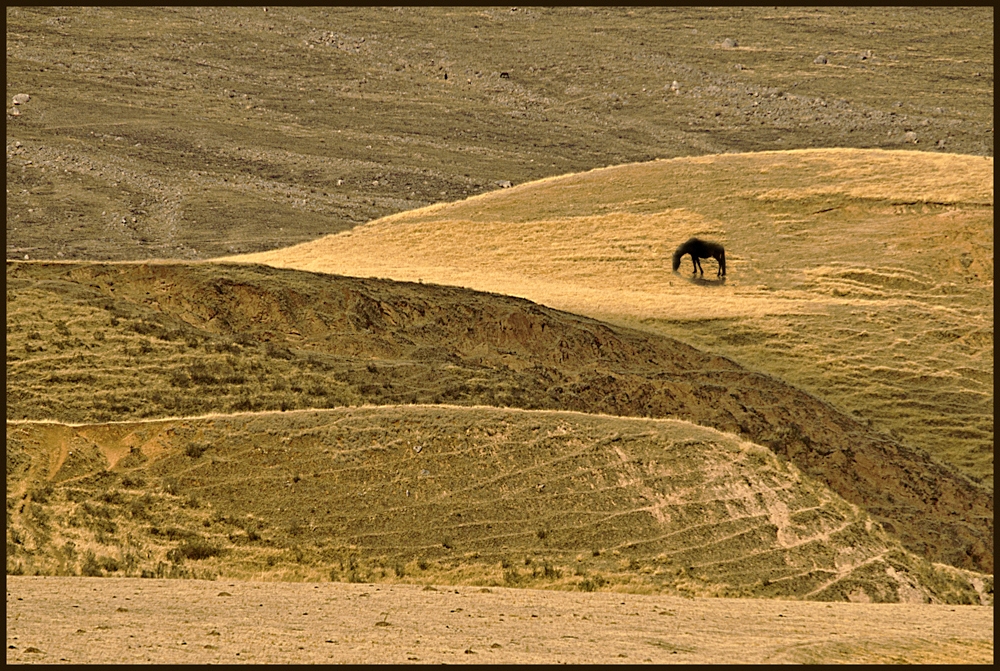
(94,621)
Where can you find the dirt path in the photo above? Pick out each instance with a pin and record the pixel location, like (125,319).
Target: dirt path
(112,620)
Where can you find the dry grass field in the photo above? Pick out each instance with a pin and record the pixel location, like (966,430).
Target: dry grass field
(351,335)
(866,277)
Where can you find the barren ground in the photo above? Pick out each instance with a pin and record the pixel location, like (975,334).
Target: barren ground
(122,620)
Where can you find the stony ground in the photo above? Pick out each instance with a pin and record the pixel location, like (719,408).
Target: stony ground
(135,621)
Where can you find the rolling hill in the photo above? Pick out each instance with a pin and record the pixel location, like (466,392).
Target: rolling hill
(445,494)
(862,276)
(349,294)
(166,340)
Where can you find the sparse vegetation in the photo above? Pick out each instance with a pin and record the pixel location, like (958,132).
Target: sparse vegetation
(313,441)
(630,372)
(249,523)
(99,168)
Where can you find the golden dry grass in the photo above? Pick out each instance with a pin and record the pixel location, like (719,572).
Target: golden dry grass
(864,276)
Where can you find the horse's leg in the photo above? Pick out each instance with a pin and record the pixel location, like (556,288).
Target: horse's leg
(697,263)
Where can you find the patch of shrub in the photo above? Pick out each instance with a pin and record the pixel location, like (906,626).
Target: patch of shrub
(94,567)
(511,577)
(195,450)
(114,497)
(42,494)
(277,351)
(592,583)
(195,549)
(133,481)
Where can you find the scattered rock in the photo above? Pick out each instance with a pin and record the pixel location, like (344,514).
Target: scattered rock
(729,43)
(866,55)
(504,184)
(21,98)
(675,87)
(820,60)
(910,136)
(15,112)
(740,66)
(940,143)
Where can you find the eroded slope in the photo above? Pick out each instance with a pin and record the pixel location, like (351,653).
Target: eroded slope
(158,340)
(445,494)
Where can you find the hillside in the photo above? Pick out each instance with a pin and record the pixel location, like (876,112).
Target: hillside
(195,132)
(161,340)
(862,276)
(441,494)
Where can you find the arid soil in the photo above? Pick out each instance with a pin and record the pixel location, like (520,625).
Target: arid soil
(121,621)
(194,132)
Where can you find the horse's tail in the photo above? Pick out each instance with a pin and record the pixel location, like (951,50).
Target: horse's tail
(677,257)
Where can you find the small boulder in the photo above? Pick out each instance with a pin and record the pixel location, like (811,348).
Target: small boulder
(729,43)
(504,184)
(21,98)
(820,60)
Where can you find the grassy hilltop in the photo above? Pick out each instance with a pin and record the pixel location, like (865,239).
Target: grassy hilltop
(864,276)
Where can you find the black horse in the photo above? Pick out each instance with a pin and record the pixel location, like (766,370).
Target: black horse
(701,249)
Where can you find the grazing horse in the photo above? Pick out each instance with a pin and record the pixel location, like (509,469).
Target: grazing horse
(701,249)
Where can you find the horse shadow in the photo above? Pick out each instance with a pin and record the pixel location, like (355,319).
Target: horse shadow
(705,282)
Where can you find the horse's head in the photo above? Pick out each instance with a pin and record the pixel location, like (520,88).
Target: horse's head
(677,257)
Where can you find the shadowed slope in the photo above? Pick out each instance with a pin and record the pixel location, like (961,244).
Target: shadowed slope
(463,495)
(191,339)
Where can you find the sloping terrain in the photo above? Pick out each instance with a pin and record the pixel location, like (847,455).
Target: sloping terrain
(479,496)
(161,340)
(864,277)
(192,132)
